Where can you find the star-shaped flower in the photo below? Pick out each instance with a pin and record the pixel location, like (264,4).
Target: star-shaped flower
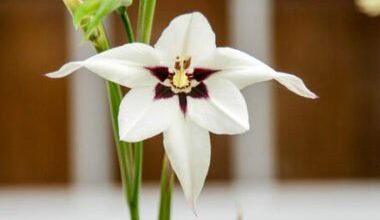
(185,87)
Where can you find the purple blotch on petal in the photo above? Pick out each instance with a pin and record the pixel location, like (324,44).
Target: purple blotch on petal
(199,92)
(201,74)
(160,72)
(182,102)
(162,92)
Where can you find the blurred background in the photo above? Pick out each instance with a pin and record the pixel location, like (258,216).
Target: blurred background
(302,158)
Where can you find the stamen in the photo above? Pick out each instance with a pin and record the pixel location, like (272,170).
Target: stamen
(186,63)
(177,64)
(180,80)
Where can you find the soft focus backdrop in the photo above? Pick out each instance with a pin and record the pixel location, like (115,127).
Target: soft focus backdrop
(56,146)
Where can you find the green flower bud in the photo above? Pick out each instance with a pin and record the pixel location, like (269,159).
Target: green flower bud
(89,14)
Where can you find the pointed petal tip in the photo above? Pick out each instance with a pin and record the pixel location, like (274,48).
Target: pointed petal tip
(295,84)
(189,34)
(198,13)
(192,203)
(65,70)
(311,95)
(52,75)
(193,13)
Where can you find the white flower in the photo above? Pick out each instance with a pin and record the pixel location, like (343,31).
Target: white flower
(185,87)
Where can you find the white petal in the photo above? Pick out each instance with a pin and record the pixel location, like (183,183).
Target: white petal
(243,70)
(294,84)
(123,65)
(189,150)
(142,117)
(224,112)
(66,70)
(188,34)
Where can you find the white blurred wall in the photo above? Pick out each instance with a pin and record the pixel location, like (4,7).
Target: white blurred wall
(91,149)
(251,32)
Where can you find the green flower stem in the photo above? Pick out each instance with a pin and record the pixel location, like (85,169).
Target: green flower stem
(129,173)
(130,167)
(140,18)
(124,150)
(167,182)
(134,205)
(131,38)
(127,24)
(138,153)
(146,23)
(145,20)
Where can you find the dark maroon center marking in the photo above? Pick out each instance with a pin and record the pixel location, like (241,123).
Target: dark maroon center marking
(164,92)
(182,102)
(201,74)
(200,91)
(160,72)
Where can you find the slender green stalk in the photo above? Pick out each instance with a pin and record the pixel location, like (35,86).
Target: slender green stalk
(167,182)
(145,21)
(138,170)
(100,42)
(130,167)
(140,18)
(127,24)
(124,150)
(134,205)
(146,13)
(131,38)
(138,147)
(131,177)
